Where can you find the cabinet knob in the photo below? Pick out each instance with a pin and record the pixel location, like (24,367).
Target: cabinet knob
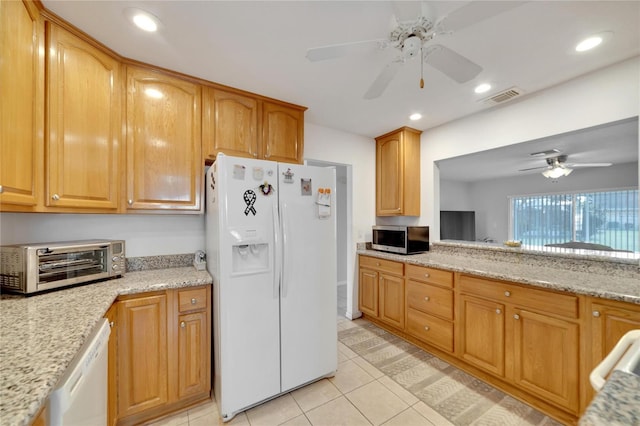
(377,263)
(426,275)
(182,324)
(194,301)
(55,197)
(596,314)
(498,311)
(1,189)
(507,293)
(426,298)
(130,202)
(426,327)
(111,324)
(516,316)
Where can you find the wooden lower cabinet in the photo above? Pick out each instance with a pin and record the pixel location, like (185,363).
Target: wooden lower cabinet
(142,354)
(481,334)
(608,321)
(162,351)
(545,357)
(381,290)
(391,300)
(368,292)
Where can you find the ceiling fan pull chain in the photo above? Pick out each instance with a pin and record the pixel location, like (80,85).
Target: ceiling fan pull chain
(421,70)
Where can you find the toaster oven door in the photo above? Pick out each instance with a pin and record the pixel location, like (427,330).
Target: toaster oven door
(71,265)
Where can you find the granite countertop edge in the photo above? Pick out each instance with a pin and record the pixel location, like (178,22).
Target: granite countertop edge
(36,346)
(586,283)
(617,403)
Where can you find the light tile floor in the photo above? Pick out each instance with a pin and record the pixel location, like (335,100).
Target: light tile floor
(359,394)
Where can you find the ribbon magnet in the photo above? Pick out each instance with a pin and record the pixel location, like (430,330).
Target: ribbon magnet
(266,188)
(249,200)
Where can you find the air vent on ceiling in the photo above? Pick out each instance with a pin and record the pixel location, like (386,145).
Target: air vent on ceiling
(504,96)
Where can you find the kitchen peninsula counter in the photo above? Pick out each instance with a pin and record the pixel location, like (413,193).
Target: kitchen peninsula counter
(41,334)
(609,280)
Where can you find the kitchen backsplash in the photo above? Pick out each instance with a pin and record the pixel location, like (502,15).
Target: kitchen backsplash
(159,262)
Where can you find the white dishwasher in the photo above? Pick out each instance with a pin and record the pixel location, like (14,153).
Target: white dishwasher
(80,397)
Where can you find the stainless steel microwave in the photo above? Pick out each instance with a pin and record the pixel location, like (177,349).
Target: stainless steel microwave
(32,268)
(401,239)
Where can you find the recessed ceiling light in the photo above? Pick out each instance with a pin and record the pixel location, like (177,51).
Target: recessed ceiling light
(593,41)
(414,117)
(142,19)
(481,88)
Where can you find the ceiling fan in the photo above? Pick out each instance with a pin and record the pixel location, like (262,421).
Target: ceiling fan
(557,166)
(412,33)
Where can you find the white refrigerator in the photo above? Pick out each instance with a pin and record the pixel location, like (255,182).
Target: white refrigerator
(271,249)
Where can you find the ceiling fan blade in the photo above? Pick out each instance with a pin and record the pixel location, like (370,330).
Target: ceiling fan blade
(474,12)
(450,63)
(407,10)
(533,168)
(337,50)
(589,165)
(383,79)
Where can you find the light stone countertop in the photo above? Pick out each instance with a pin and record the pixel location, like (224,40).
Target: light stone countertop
(41,334)
(580,280)
(617,403)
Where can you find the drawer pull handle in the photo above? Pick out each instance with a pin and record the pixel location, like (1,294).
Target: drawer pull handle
(377,263)
(194,301)
(182,324)
(498,311)
(426,298)
(596,314)
(507,293)
(426,275)
(426,327)
(516,316)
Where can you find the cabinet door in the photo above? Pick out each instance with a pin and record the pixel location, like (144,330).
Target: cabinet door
(142,354)
(164,156)
(112,368)
(84,123)
(21,102)
(282,133)
(546,357)
(389,172)
(391,300)
(482,334)
(368,292)
(193,355)
(230,124)
(609,322)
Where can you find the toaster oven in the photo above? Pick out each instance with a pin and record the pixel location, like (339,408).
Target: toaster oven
(33,268)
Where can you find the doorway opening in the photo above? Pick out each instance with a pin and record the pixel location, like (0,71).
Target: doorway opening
(344,261)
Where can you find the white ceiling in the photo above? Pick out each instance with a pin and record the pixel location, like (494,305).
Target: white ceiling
(260,46)
(615,143)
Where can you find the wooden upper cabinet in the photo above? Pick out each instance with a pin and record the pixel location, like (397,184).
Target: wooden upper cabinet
(164,154)
(398,173)
(84,123)
(230,123)
(21,103)
(282,133)
(247,126)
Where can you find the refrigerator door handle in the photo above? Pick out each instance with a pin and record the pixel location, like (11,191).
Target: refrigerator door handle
(285,245)
(277,252)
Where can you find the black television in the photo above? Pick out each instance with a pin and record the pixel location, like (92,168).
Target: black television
(457,225)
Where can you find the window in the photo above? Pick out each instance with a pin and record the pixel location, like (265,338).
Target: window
(607,220)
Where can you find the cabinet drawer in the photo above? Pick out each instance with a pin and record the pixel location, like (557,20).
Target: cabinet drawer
(554,303)
(432,330)
(430,275)
(396,268)
(430,299)
(192,299)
